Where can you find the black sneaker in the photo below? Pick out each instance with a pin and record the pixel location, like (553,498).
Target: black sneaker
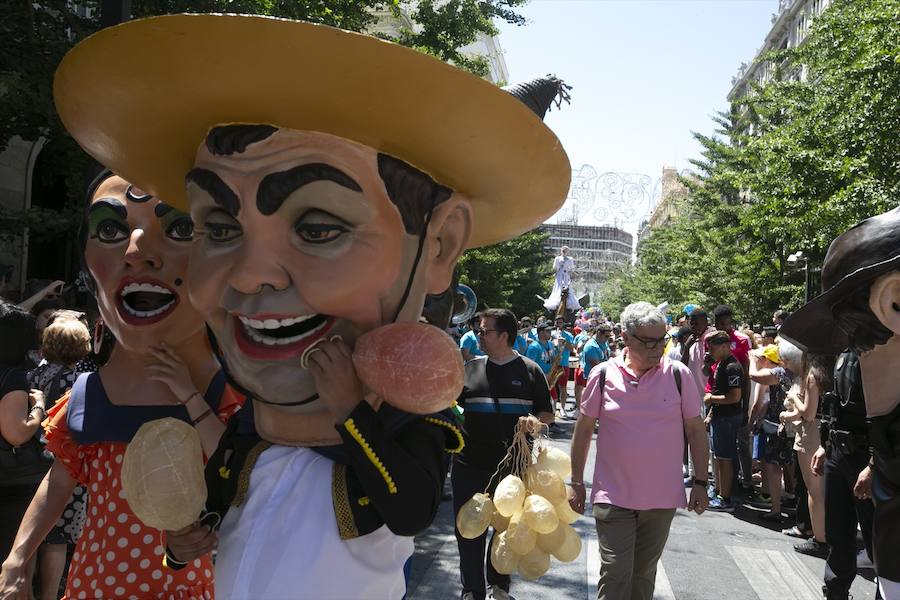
(811,547)
(771,517)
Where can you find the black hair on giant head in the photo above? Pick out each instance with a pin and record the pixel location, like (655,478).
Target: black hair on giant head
(854,317)
(97,175)
(413,192)
(226,140)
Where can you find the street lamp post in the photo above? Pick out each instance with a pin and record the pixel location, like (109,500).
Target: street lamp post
(792,260)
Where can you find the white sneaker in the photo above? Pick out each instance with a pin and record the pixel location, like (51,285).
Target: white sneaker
(862,560)
(468,596)
(499,594)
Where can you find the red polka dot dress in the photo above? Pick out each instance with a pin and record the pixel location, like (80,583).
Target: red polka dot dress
(117,555)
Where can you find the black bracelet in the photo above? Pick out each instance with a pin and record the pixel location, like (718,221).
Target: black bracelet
(205,414)
(700,482)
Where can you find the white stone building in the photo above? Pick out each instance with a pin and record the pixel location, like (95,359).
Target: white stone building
(790,26)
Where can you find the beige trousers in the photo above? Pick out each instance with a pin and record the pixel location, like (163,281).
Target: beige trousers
(631,542)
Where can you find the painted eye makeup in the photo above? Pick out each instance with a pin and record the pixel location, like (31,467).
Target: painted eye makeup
(221,227)
(107,222)
(177,225)
(320,227)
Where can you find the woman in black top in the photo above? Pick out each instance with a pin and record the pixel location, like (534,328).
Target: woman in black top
(22,464)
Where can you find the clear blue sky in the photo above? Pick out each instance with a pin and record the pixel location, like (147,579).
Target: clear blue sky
(645,73)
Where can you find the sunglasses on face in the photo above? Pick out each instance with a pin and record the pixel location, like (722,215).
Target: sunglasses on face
(481,331)
(651,343)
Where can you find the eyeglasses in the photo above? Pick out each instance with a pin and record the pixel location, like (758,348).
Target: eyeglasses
(651,343)
(480,331)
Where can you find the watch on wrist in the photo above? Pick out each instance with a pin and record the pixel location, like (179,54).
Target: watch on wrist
(701,482)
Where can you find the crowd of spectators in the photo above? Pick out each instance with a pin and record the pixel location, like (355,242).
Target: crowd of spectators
(785,432)
(45,346)
(784,437)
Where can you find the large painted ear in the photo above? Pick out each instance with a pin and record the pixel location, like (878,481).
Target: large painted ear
(884,300)
(448,232)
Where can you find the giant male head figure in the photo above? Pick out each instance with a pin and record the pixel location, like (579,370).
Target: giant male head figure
(333,179)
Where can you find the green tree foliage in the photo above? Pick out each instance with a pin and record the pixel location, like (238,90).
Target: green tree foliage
(794,164)
(510,274)
(445,26)
(37,34)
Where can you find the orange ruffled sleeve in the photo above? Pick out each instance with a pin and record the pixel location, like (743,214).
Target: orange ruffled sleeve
(230,403)
(74,457)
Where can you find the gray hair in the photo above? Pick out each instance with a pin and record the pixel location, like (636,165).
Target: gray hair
(641,314)
(791,355)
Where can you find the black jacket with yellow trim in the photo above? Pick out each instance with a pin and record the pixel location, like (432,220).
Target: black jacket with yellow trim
(390,470)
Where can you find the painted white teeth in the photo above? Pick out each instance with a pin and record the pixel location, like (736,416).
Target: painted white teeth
(253,332)
(144,287)
(273,323)
(147,313)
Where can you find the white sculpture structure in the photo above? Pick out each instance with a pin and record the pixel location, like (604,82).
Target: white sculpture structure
(563,265)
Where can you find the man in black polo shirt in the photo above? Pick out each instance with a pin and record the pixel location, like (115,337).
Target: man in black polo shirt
(726,403)
(501,389)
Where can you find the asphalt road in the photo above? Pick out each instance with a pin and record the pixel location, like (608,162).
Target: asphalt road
(713,556)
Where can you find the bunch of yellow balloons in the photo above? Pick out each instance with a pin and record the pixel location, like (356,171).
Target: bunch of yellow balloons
(531,514)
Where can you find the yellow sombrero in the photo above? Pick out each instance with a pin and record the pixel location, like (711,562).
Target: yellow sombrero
(141,96)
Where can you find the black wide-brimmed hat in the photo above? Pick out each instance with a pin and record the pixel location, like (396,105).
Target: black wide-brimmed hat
(855,258)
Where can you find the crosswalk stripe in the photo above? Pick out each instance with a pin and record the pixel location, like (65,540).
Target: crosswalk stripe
(663,589)
(812,581)
(774,575)
(593,560)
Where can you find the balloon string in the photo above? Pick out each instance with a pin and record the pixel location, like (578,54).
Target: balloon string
(519,454)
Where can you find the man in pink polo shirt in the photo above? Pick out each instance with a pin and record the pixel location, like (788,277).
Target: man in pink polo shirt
(637,484)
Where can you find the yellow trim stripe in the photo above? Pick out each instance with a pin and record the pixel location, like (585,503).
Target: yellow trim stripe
(370,454)
(454,429)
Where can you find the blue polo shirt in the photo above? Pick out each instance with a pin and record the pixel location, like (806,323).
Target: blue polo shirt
(565,349)
(595,352)
(542,355)
(584,335)
(469,342)
(521,345)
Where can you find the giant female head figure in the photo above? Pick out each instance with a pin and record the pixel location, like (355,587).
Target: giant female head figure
(136,250)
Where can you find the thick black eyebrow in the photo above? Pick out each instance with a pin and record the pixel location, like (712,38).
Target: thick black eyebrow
(213,185)
(111,203)
(276,187)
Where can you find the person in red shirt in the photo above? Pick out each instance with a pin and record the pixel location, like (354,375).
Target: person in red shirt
(740,343)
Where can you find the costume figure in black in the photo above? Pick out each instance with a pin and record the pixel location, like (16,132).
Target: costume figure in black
(845,461)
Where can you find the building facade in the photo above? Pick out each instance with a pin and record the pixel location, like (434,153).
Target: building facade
(390,24)
(672,192)
(595,249)
(790,26)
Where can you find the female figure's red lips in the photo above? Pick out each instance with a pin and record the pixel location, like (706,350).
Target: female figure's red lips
(252,338)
